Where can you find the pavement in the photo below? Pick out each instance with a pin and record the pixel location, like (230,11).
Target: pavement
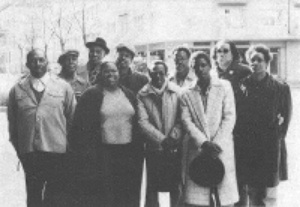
(12,184)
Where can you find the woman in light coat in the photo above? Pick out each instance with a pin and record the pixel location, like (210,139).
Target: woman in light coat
(208,114)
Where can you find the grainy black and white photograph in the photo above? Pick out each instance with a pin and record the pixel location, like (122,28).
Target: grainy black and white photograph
(149,103)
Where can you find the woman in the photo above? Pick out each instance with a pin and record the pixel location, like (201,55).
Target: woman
(159,118)
(208,115)
(104,139)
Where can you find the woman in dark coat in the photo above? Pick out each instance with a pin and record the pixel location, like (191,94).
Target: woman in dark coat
(103,144)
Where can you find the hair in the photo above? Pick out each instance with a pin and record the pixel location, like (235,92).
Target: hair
(198,55)
(182,48)
(160,62)
(233,49)
(261,49)
(31,53)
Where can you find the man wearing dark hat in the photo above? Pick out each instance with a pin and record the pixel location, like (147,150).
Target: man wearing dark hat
(132,80)
(69,65)
(97,51)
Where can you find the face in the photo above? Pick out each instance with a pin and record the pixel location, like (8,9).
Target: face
(257,62)
(158,76)
(202,68)
(37,64)
(110,75)
(70,63)
(96,54)
(223,53)
(124,60)
(182,61)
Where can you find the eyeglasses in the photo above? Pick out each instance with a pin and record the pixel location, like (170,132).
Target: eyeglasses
(258,59)
(225,51)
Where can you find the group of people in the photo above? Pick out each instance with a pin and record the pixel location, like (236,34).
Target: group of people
(82,136)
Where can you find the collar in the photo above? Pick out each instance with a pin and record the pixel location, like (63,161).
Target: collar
(44,80)
(128,74)
(169,86)
(159,91)
(191,76)
(229,70)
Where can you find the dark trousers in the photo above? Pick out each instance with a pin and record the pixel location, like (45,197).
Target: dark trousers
(44,176)
(122,175)
(163,175)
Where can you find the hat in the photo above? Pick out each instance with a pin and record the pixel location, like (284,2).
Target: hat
(99,42)
(67,53)
(206,171)
(128,48)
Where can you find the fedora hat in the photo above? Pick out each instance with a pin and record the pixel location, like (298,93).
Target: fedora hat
(128,48)
(67,53)
(206,171)
(99,42)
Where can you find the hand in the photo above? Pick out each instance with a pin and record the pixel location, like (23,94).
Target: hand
(211,148)
(169,143)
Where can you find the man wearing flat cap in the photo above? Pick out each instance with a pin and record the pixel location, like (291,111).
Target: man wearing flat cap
(69,66)
(132,80)
(97,51)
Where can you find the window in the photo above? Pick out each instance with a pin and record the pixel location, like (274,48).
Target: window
(275,63)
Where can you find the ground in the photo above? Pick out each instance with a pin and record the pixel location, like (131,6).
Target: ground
(13,194)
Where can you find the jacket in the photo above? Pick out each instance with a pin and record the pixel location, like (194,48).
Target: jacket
(156,129)
(216,125)
(40,126)
(85,157)
(261,146)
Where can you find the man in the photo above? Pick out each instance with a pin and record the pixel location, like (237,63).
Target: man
(229,68)
(69,65)
(97,51)
(39,110)
(131,80)
(159,118)
(184,76)
(266,105)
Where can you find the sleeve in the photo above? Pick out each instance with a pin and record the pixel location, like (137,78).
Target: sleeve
(147,128)
(286,109)
(12,119)
(228,115)
(70,105)
(188,124)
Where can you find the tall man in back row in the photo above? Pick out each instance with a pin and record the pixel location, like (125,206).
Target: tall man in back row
(40,108)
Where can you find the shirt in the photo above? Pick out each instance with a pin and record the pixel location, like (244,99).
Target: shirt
(116,118)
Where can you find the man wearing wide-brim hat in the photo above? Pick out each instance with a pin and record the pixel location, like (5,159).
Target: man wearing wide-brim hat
(97,51)
(69,65)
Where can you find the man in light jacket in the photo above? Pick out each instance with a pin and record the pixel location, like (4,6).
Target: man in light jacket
(159,118)
(40,109)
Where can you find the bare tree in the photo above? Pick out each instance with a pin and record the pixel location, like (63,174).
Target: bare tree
(80,18)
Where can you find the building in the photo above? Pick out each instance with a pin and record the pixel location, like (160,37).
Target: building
(156,27)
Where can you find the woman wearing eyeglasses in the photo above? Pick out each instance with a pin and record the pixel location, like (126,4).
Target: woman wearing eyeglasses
(208,115)
(230,68)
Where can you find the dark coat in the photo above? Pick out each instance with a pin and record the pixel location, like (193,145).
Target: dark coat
(235,73)
(134,81)
(85,157)
(260,148)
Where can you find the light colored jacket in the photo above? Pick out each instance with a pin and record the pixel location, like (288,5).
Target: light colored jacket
(40,126)
(216,125)
(189,82)
(155,128)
